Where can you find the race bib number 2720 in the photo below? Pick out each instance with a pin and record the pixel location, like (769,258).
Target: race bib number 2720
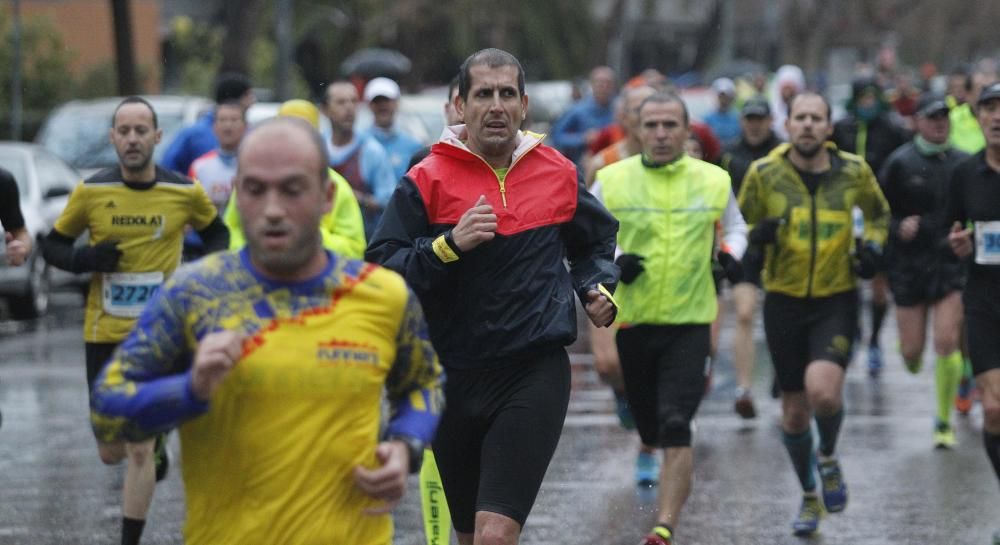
(126,294)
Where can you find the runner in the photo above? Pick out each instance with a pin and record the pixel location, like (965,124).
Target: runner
(479,229)
(136,213)
(273,362)
(800,200)
(756,141)
(974,198)
(668,204)
(914,179)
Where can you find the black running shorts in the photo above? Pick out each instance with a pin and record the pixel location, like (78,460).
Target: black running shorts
(499,430)
(982,323)
(97,355)
(923,282)
(800,331)
(664,368)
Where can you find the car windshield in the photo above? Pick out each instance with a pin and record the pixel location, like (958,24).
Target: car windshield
(79,134)
(16,163)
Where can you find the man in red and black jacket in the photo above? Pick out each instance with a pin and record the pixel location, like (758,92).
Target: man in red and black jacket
(480,230)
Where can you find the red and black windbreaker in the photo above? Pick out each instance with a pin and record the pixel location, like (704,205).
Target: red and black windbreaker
(512,295)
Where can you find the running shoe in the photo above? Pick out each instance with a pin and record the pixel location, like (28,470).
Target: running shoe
(659,536)
(944,436)
(161,457)
(963,401)
(874,361)
(809,514)
(647,469)
(624,412)
(744,404)
(834,487)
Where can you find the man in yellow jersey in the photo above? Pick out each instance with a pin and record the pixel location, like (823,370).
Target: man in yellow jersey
(668,204)
(273,362)
(343,228)
(800,199)
(136,213)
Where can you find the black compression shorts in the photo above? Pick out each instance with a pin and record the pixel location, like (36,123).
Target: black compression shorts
(664,368)
(800,331)
(97,355)
(499,430)
(916,282)
(982,324)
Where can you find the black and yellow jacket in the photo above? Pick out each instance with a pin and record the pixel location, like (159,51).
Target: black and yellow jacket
(812,256)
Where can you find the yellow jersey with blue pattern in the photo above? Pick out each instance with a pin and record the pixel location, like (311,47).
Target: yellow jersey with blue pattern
(271,458)
(148,221)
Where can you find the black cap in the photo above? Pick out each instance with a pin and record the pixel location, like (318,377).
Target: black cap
(931,104)
(990,92)
(756,106)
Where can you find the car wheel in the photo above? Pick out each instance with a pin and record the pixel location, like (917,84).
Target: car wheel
(35,299)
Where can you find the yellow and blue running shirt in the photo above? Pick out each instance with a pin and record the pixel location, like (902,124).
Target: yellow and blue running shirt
(148,222)
(271,458)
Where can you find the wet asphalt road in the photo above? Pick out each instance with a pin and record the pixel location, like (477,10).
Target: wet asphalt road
(54,490)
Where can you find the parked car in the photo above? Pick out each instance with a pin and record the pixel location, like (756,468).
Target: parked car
(44,182)
(78,131)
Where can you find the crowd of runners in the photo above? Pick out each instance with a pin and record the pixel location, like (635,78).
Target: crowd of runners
(356,308)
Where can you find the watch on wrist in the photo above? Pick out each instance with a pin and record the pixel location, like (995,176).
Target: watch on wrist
(414,446)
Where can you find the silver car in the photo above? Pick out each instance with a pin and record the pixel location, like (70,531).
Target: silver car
(44,182)
(78,131)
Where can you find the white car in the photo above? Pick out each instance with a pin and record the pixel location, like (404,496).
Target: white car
(44,182)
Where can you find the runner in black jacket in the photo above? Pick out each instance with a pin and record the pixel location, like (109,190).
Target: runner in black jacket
(480,230)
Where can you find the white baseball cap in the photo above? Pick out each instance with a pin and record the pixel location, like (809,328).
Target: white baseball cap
(723,86)
(381,87)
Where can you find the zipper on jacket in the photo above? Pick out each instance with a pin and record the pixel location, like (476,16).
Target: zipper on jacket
(501,183)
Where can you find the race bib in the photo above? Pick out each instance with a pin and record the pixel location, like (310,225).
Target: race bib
(987,242)
(125,294)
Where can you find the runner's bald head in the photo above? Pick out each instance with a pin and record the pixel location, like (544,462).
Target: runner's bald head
(289,129)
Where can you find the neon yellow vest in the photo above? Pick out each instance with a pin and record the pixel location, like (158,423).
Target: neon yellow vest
(667,215)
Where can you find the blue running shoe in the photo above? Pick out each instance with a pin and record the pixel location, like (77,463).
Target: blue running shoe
(647,469)
(874,361)
(809,514)
(834,487)
(624,412)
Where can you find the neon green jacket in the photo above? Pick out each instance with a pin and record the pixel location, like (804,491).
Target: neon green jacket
(965,134)
(342,228)
(812,257)
(667,214)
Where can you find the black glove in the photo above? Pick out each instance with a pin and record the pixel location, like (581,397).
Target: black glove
(867,259)
(631,266)
(732,268)
(765,232)
(101,257)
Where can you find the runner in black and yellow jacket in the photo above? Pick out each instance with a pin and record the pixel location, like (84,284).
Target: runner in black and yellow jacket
(800,200)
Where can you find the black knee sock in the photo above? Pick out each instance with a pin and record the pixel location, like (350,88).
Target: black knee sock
(132,530)
(800,449)
(992,443)
(829,430)
(878,315)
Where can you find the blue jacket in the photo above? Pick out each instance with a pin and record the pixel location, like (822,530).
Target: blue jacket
(569,130)
(398,145)
(191,143)
(725,125)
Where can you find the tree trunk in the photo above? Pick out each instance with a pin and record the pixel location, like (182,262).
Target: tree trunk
(240,19)
(124,55)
